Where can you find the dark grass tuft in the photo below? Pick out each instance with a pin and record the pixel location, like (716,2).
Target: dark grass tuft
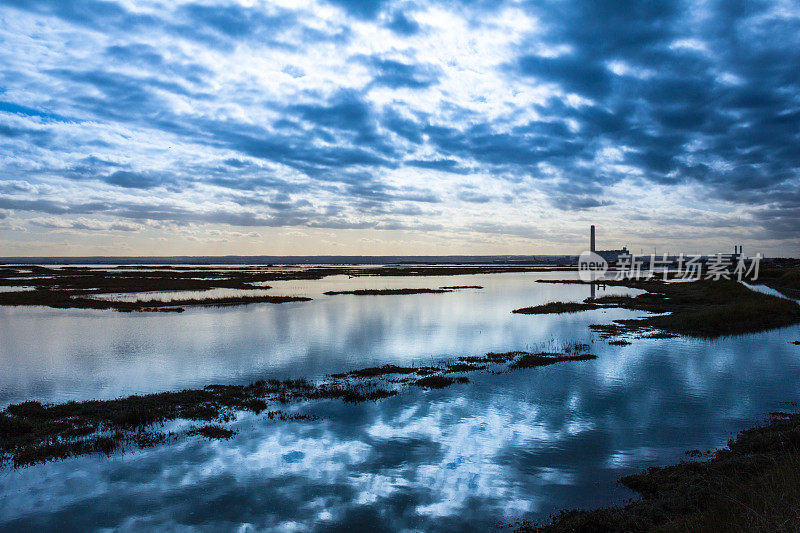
(14,427)
(377,371)
(387,292)
(438,382)
(530,360)
(212,431)
(463,367)
(557,308)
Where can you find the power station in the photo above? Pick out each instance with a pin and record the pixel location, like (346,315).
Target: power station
(611,256)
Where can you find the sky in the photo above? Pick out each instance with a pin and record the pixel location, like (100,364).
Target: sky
(383,127)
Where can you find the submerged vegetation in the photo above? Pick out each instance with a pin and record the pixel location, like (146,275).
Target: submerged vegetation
(31,432)
(752,485)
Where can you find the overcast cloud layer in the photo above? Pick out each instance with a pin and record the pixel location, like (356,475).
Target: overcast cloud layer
(391,127)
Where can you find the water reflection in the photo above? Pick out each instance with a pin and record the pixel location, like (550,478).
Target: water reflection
(502,448)
(72,354)
(169,296)
(15,288)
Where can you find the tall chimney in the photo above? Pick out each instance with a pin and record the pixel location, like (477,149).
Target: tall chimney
(591,240)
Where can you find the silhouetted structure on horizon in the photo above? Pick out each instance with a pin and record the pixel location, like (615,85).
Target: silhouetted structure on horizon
(611,256)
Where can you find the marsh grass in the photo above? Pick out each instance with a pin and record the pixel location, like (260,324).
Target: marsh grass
(557,308)
(786,279)
(752,485)
(439,382)
(531,360)
(387,292)
(79,300)
(706,309)
(31,432)
(378,371)
(212,431)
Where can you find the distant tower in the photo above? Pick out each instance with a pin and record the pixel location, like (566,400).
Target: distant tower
(591,239)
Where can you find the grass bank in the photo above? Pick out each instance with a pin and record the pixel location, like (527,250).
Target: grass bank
(702,308)
(752,485)
(784,278)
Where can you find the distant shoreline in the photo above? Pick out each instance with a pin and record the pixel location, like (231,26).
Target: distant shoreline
(293,260)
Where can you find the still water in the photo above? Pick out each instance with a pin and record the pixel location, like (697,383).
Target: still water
(502,448)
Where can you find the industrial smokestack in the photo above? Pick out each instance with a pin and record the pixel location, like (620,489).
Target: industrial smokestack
(591,240)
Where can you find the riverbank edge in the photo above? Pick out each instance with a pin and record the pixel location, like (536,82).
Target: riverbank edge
(753,484)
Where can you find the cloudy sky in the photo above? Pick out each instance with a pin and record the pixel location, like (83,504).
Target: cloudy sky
(394,127)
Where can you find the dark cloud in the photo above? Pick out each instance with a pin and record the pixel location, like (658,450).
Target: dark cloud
(406,128)
(366,9)
(92,13)
(151,58)
(443,165)
(82,224)
(10,107)
(232,20)
(224,26)
(664,93)
(395,74)
(672,95)
(133,180)
(35,136)
(474,197)
(403,25)
(345,111)
(574,73)
(52,207)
